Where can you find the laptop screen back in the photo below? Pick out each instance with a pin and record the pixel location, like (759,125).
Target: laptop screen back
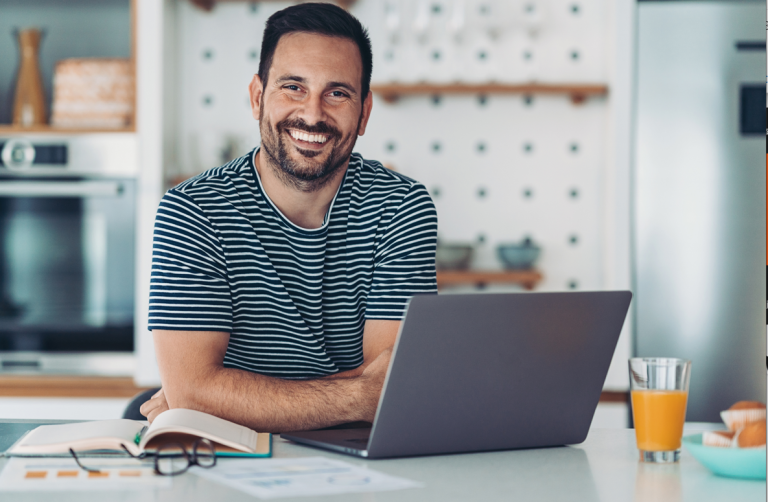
(497,371)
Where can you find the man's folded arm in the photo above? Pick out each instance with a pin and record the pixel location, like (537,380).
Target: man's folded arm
(193,377)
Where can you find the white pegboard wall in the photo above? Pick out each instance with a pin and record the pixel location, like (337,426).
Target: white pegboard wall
(500,167)
(472,41)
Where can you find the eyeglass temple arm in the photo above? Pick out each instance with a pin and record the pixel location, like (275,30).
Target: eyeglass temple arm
(77,460)
(129,452)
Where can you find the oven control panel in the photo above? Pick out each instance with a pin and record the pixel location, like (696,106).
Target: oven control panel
(114,154)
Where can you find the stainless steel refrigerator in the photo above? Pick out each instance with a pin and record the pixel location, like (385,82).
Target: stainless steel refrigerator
(699,196)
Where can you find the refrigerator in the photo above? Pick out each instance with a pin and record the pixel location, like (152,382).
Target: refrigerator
(698,196)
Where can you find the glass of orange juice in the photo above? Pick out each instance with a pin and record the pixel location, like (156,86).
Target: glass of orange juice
(659,389)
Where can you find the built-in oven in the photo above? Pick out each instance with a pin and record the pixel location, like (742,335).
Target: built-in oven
(67,261)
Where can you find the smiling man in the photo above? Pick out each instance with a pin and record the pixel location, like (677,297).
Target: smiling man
(279,280)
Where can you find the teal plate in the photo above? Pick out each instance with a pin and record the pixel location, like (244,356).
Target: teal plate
(745,463)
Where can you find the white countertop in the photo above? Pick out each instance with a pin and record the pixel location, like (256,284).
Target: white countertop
(604,468)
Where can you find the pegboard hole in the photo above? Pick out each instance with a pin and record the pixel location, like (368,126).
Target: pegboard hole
(482,100)
(575,9)
(573,284)
(389,55)
(436,55)
(437,99)
(253,54)
(481,238)
(207,100)
(437,8)
(436,146)
(528,193)
(527,55)
(254,7)
(390,146)
(436,192)
(575,55)
(482,193)
(482,55)
(528,147)
(484,9)
(528,100)
(530,8)
(208,54)
(574,193)
(481,147)
(574,147)
(573,239)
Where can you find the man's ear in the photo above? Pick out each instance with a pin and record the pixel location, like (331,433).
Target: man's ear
(367,105)
(256,91)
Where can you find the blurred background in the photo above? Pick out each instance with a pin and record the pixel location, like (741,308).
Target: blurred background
(568,145)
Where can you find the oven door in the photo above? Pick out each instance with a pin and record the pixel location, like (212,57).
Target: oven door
(66,266)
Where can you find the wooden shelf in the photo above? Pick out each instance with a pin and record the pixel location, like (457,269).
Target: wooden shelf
(208,5)
(67,386)
(578,92)
(527,278)
(12,130)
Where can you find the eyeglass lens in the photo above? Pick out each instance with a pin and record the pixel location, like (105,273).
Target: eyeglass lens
(171,459)
(204,453)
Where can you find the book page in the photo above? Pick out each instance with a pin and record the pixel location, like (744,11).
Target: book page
(204,425)
(83,436)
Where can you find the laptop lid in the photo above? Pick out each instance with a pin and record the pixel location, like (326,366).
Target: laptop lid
(484,372)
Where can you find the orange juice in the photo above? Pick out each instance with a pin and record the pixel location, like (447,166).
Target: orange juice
(659,416)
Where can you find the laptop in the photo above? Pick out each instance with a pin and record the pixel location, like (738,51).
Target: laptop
(483,372)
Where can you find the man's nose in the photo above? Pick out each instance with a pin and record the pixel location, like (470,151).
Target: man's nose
(312,110)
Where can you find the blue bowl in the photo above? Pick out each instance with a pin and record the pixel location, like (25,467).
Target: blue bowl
(518,256)
(744,463)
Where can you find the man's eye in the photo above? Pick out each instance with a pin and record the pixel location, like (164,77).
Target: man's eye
(339,94)
(292,87)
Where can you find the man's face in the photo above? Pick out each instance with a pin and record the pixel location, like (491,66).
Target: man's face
(311,110)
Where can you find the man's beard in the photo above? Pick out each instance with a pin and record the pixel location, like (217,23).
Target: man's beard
(306,176)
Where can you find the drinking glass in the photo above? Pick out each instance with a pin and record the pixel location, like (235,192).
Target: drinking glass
(659,389)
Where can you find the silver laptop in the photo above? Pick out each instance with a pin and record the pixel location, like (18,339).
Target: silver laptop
(486,372)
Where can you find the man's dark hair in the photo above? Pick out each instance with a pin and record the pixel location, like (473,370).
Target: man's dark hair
(323,19)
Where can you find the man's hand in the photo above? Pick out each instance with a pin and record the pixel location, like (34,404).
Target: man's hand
(373,381)
(152,408)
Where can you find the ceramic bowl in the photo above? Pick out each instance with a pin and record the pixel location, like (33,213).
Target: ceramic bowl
(518,256)
(744,463)
(453,256)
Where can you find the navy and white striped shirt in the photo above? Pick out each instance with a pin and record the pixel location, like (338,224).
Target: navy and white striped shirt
(294,300)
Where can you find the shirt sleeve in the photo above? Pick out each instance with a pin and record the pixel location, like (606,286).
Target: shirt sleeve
(404,263)
(188,286)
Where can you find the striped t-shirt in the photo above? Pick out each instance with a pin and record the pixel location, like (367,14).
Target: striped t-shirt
(294,300)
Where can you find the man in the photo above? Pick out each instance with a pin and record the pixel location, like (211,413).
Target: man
(279,280)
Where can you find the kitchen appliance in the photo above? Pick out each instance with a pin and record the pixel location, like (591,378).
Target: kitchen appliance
(67,238)
(699,196)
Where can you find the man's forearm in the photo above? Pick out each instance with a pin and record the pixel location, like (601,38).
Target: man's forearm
(272,404)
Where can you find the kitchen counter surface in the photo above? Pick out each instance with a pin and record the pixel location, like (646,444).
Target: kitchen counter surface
(602,469)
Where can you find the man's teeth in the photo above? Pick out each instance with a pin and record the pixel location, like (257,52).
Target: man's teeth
(311,138)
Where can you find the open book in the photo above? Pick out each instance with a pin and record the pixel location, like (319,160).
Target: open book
(171,426)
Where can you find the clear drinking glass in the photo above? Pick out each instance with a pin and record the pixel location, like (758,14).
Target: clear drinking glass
(659,388)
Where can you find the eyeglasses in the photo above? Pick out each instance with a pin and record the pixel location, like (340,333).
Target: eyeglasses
(172,459)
